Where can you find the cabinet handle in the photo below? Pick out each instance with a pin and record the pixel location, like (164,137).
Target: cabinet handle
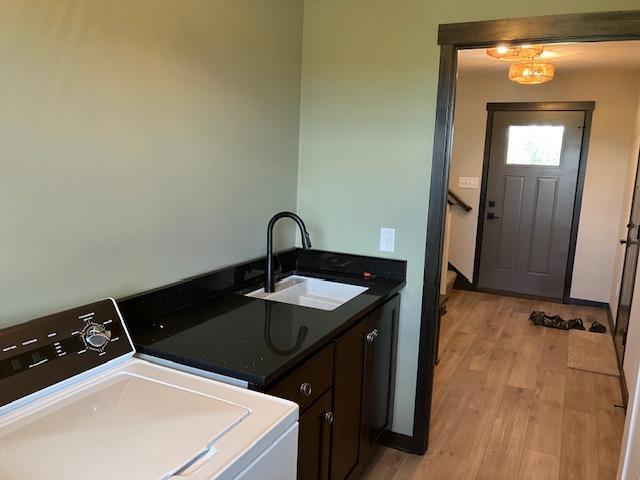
(371,336)
(328,417)
(305,389)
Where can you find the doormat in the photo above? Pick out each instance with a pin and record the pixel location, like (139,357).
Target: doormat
(592,352)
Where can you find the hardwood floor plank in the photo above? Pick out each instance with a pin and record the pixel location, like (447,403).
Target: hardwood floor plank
(452,355)
(454,468)
(417,467)
(487,396)
(446,420)
(544,432)
(503,455)
(579,461)
(579,391)
(387,464)
(550,387)
(524,373)
(539,466)
(470,442)
(610,426)
(555,353)
(606,474)
(500,365)
(511,335)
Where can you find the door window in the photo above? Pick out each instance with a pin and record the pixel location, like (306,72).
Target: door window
(539,145)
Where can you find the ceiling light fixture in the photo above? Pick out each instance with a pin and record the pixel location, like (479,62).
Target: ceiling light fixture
(532,72)
(515,53)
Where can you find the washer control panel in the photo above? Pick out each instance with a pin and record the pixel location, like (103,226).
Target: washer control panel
(43,352)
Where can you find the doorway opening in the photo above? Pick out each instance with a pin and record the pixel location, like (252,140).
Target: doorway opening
(454,39)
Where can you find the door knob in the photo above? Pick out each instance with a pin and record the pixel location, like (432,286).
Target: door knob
(622,242)
(492,216)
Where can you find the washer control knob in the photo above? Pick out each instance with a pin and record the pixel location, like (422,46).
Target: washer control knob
(96,336)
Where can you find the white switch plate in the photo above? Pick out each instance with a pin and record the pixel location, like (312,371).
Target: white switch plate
(387,239)
(468,182)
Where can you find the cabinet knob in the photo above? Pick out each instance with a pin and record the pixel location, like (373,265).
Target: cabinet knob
(305,389)
(371,336)
(328,417)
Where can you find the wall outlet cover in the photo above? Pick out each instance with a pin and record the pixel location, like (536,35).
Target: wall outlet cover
(468,182)
(387,239)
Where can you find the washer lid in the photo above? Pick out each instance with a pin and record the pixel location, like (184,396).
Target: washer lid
(127,427)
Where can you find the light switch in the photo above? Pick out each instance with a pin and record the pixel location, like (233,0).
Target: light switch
(468,182)
(387,239)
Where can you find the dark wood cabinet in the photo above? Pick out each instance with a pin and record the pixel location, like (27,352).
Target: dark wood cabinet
(345,393)
(378,376)
(314,442)
(347,401)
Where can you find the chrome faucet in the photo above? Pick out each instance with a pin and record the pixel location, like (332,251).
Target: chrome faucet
(269,282)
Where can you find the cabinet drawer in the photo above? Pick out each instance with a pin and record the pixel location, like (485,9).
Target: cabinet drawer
(305,384)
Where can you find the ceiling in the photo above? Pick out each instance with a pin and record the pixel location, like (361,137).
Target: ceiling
(566,56)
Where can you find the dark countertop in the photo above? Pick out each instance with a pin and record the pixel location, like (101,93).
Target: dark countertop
(252,339)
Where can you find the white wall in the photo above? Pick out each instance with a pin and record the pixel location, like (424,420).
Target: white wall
(615,94)
(626,209)
(141,142)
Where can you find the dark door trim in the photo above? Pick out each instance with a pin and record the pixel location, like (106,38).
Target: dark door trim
(577,27)
(586,27)
(540,106)
(614,323)
(587,108)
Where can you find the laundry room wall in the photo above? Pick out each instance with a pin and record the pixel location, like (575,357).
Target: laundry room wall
(142,142)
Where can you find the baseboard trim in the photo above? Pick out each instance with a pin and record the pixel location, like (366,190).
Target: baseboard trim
(398,441)
(623,381)
(506,293)
(588,303)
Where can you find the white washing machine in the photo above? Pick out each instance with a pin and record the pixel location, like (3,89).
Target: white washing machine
(74,404)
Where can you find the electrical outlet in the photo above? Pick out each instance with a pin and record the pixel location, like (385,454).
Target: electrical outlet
(468,182)
(387,239)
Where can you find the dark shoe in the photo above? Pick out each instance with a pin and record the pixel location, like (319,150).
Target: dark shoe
(550,321)
(537,318)
(576,324)
(597,327)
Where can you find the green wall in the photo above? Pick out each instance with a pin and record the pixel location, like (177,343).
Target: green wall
(142,141)
(369,80)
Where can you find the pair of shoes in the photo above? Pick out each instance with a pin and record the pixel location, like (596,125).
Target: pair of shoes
(597,327)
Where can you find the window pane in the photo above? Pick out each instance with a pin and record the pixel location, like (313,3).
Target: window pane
(535,145)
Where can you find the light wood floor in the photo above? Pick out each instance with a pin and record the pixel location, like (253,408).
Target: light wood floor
(505,405)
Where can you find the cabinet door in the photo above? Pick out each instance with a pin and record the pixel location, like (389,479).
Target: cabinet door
(347,401)
(314,441)
(379,376)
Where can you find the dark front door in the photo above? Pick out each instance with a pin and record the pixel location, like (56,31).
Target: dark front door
(627,281)
(530,193)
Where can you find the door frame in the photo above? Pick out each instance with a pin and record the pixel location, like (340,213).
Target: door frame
(620,355)
(492,107)
(583,27)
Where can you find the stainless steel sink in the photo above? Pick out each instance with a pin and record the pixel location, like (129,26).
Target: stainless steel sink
(310,292)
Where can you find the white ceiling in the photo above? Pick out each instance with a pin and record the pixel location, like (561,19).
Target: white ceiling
(566,56)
